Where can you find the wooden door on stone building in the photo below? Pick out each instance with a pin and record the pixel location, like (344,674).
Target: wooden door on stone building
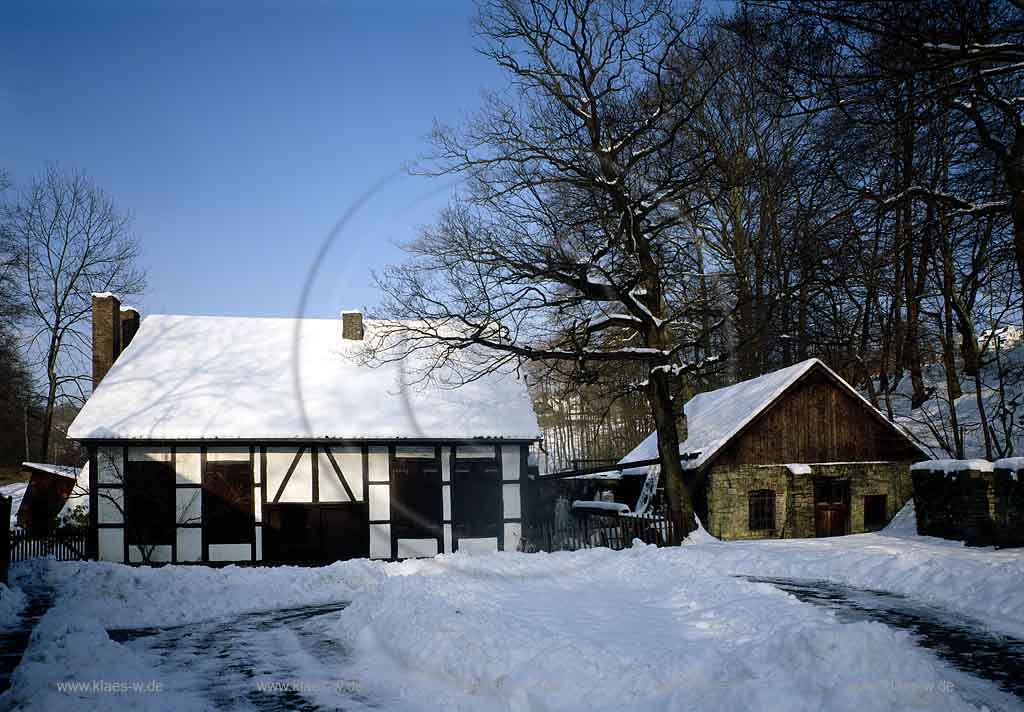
(831,506)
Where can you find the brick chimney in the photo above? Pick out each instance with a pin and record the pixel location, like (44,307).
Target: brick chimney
(352,325)
(106,334)
(129,325)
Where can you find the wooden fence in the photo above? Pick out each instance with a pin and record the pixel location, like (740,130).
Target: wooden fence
(63,545)
(590,531)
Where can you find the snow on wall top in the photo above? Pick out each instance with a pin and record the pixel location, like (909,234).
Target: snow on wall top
(207,377)
(947,466)
(62,470)
(713,418)
(1009,463)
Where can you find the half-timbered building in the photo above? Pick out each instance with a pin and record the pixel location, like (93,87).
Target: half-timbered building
(223,439)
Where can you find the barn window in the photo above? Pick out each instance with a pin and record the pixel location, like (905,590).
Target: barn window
(227,503)
(761,510)
(149,503)
(874,511)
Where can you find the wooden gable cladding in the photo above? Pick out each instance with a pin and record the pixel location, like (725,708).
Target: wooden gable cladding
(816,420)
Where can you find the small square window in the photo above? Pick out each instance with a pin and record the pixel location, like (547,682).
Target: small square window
(875,511)
(761,510)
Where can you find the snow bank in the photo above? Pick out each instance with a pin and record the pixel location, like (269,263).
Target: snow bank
(12,601)
(645,628)
(982,583)
(1009,463)
(950,466)
(798,469)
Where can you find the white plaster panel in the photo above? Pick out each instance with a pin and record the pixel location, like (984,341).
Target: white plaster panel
(446,500)
(109,506)
(227,454)
(350,460)
(189,502)
(188,463)
(230,552)
(447,538)
(109,466)
(513,534)
(149,454)
(257,503)
(190,544)
(380,502)
(416,548)
(379,465)
(475,452)
(419,453)
(510,501)
(478,546)
(380,541)
(111,544)
(331,489)
(300,485)
(446,464)
(510,455)
(259,543)
(157,554)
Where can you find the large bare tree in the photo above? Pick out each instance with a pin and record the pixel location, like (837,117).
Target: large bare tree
(70,241)
(569,246)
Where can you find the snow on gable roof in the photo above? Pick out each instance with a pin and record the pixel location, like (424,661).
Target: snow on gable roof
(716,417)
(202,377)
(61,470)
(713,418)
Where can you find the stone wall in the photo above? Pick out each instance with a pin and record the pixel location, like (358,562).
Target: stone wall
(729,487)
(970,501)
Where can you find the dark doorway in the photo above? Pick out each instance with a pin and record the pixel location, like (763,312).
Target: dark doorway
(315,533)
(415,498)
(831,507)
(476,499)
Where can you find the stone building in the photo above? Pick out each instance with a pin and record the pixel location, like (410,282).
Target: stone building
(794,453)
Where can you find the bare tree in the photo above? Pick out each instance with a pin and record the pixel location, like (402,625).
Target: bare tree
(569,247)
(70,241)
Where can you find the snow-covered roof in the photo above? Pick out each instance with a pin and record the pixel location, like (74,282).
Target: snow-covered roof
(211,377)
(62,470)
(716,417)
(947,466)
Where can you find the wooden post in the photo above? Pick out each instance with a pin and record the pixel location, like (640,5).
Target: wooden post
(5,538)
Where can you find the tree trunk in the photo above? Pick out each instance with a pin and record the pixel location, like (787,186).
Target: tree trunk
(677,492)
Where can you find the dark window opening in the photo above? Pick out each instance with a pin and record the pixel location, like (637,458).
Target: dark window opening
(149,503)
(476,499)
(416,498)
(874,511)
(831,491)
(228,503)
(761,510)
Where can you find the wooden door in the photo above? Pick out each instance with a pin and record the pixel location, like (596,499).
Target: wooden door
(831,506)
(476,499)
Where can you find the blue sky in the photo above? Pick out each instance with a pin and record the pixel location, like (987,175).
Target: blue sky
(238,133)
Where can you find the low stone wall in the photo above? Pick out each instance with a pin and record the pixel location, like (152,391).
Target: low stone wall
(974,501)
(729,487)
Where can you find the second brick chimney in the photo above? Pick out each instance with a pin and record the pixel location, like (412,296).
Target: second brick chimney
(129,325)
(106,334)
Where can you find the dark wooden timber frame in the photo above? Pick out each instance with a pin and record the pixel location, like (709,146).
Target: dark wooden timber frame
(257,459)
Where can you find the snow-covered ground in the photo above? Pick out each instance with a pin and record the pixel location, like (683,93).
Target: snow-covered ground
(645,628)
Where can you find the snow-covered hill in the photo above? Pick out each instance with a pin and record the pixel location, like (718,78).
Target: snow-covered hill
(1002,400)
